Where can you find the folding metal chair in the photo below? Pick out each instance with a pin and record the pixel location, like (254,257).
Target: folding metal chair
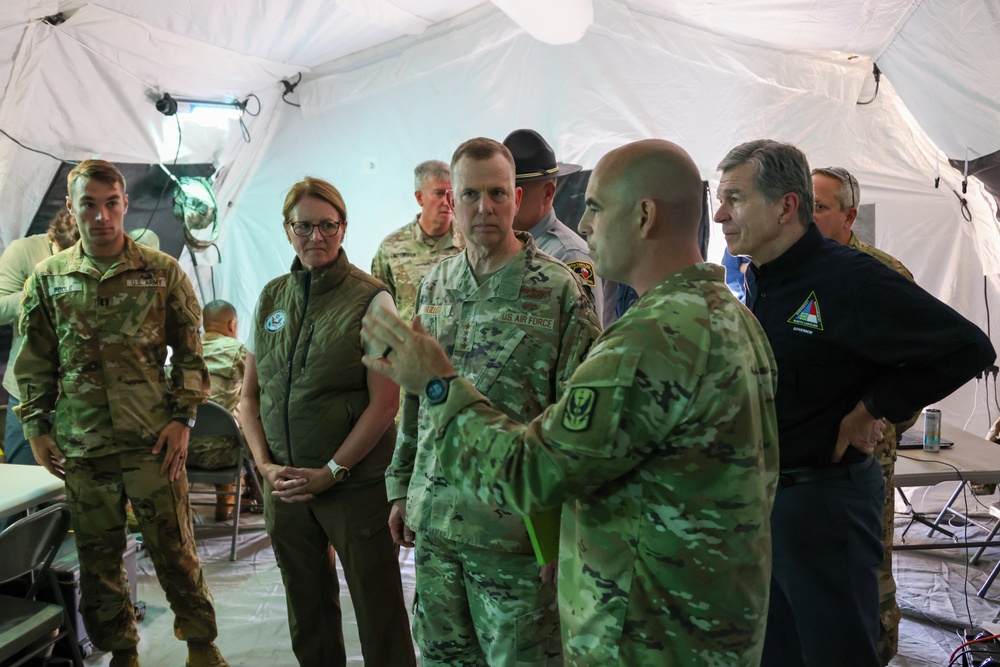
(27,626)
(214,421)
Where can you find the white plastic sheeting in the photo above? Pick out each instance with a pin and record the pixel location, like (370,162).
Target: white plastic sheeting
(388,83)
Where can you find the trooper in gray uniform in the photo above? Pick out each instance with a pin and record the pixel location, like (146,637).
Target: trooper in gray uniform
(537,171)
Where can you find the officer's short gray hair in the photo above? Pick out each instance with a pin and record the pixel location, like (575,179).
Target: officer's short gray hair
(428,170)
(777,170)
(849,195)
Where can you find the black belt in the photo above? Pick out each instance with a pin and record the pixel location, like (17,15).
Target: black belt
(793,476)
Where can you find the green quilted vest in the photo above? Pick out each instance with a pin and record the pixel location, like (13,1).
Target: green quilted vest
(307,346)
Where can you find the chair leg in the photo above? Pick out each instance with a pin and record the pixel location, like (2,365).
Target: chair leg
(989,581)
(989,538)
(251,473)
(236,511)
(68,621)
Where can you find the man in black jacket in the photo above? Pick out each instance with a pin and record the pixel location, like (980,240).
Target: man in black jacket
(855,342)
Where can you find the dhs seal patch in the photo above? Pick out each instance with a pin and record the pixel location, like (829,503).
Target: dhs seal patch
(275,321)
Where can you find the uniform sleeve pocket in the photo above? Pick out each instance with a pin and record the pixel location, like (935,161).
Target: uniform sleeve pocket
(588,416)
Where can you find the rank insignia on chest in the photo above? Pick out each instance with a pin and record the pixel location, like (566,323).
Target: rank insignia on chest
(808,314)
(579,408)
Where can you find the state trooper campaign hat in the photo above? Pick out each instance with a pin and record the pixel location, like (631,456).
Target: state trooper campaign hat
(534,159)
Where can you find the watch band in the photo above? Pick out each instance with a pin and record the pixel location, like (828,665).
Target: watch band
(340,473)
(187,421)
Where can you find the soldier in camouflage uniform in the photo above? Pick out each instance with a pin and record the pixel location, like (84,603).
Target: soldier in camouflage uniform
(837,198)
(516,323)
(225,356)
(97,321)
(662,451)
(405,256)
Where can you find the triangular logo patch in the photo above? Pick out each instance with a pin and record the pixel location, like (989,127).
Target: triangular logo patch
(808,314)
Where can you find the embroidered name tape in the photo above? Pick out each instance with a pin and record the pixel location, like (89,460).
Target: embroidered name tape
(430,309)
(146,282)
(529,320)
(55,290)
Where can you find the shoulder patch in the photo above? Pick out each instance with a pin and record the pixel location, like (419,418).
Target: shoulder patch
(579,407)
(585,270)
(808,314)
(275,321)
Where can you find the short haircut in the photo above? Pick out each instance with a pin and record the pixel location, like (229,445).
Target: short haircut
(218,310)
(98,170)
(849,195)
(314,187)
(777,170)
(430,170)
(63,230)
(482,148)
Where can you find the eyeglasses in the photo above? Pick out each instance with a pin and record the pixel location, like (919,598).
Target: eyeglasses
(845,177)
(305,229)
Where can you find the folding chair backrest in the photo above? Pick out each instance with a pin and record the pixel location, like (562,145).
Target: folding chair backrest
(215,420)
(31,543)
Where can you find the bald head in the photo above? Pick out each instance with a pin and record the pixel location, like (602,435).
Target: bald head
(643,209)
(662,171)
(220,317)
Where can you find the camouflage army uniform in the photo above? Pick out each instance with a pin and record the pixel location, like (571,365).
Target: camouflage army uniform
(225,358)
(885,454)
(93,354)
(405,256)
(556,239)
(518,337)
(663,453)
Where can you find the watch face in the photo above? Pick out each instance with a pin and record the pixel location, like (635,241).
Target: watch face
(436,390)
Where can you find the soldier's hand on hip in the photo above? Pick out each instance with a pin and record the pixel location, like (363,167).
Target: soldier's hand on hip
(47,454)
(174,436)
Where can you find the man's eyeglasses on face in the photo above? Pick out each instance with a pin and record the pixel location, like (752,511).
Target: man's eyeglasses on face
(845,176)
(305,229)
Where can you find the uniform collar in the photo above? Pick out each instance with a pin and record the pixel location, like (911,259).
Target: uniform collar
(505,283)
(213,335)
(700,272)
(547,222)
(325,279)
(130,259)
(447,240)
(798,253)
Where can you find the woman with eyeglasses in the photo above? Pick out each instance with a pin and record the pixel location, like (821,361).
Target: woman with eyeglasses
(320,427)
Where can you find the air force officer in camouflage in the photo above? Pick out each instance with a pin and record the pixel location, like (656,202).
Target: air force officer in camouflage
(97,320)
(516,322)
(662,450)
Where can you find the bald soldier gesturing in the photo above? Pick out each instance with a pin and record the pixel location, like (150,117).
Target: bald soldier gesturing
(663,447)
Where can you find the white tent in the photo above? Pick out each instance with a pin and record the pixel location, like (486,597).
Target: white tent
(389,83)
